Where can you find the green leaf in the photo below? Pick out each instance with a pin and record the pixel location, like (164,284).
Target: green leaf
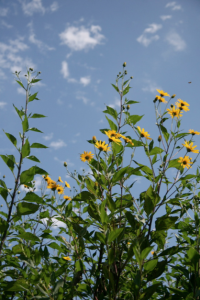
(150,265)
(26,149)
(19,112)
(25,124)
(110,203)
(100,237)
(115,87)
(156,150)
(193,255)
(126,90)
(33,97)
(35,80)
(28,236)
(119,174)
(164,132)
(32,157)
(38,145)
(131,219)
(132,102)
(145,252)
(54,245)
(116,148)
(3,225)
(37,116)
(9,161)
(114,234)
(151,145)
(35,129)
(170,251)
(32,197)
(111,255)
(11,138)
(24,208)
(21,84)
(134,119)
(28,175)
(113,126)
(165,222)
(103,214)
(174,164)
(4,193)
(158,270)
(84,196)
(111,111)
(2,183)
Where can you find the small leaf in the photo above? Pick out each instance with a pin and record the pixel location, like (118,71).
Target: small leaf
(11,138)
(156,150)
(37,116)
(32,197)
(26,149)
(132,102)
(165,222)
(35,129)
(150,265)
(9,162)
(134,119)
(111,111)
(113,126)
(28,236)
(32,157)
(165,133)
(84,196)
(35,80)
(3,225)
(38,145)
(114,234)
(101,237)
(193,255)
(126,90)
(19,112)
(20,83)
(24,208)
(115,87)
(25,124)
(33,97)
(119,174)
(4,193)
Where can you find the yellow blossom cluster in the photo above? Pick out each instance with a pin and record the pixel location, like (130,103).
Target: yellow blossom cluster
(54,186)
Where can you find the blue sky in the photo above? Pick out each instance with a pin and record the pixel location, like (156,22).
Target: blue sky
(79,47)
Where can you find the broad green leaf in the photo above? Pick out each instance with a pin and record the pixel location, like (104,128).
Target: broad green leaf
(113,126)
(158,270)
(11,138)
(111,111)
(193,255)
(3,225)
(68,209)
(28,175)
(100,237)
(164,132)
(17,286)
(115,87)
(19,112)
(151,145)
(35,80)
(103,213)
(21,84)
(171,251)
(44,214)
(54,245)
(137,143)
(119,174)
(165,222)
(150,265)
(174,164)
(4,193)
(25,124)
(111,256)
(84,196)
(33,97)
(34,158)
(189,176)
(32,197)
(38,145)
(134,119)
(26,149)
(58,284)
(132,102)
(126,90)
(149,291)
(131,219)
(28,236)
(37,116)
(24,208)
(156,150)
(9,161)
(35,129)
(146,252)
(110,203)
(114,234)
(2,183)
(117,148)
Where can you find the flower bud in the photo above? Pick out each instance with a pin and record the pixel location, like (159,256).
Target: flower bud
(124,64)
(159,138)
(39,72)
(18,192)
(171,105)
(4,176)
(131,77)
(65,164)
(125,72)
(124,107)
(154,101)
(31,69)
(94,138)
(128,107)
(173,96)
(119,73)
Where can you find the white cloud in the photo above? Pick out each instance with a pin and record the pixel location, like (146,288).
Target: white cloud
(40,44)
(85,80)
(144,39)
(72,80)
(48,136)
(32,7)
(151,86)
(69,163)
(77,134)
(6,24)
(173,6)
(65,70)
(81,38)
(85,100)
(21,91)
(57,145)
(164,18)
(176,41)
(3,12)
(2,105)
(60,102)
(115,104)
(54,6)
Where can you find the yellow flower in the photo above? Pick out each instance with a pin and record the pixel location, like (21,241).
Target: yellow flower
(113,136)
(52,185)
(127,140)
(152,252)
(182,105)
(86,156)
(26,186)
(102,146)
(161,99)
(59,179)
(47,179)
(162,93)
(185,161)
(190,148)
(144,133)
(60,189)
(66,258)
(67,184)
(67,198)
(194,132)
(174,112)
(128,243)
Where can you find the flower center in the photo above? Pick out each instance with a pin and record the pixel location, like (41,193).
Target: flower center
(101,148)
(87,157)
(142,135)
(185,162)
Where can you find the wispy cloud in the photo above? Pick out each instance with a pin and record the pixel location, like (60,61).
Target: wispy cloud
(115,104)
(3,12)
(64,69)
(173,6)
(34,6)
(54,6)
(57,144)
(145,39)
(175,40)
(81,38)
(84,99)
(6,24)
(2,105)
(69,163)
(166,17)
(48,136)
(40,44)
(85,80)
(151,86)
